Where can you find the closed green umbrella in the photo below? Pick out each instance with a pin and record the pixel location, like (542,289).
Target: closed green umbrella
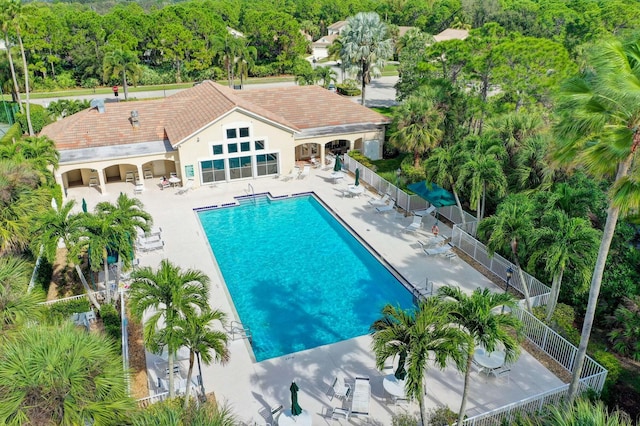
(295,407)
(357,177)
(400,372)
(338,166)
(84,205)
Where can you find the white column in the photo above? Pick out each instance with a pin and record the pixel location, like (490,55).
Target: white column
(140,175)
(101,181)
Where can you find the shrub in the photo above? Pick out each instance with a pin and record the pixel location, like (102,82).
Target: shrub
(442,416)
(39,118)
(111,321)
(404,420)
(349,88)
(561,322)
(61,311)
(625,324)
(263,71)
(13,134)
(360,158)
(65,80)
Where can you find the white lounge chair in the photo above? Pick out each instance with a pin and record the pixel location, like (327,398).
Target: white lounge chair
(315,163)
(432,242)
(306,170)
(339,413)
(187,186)
(415,225)
(361,397)
(292,175)
(426,211)
(385,208)
(439,250)
(340,389)
(382,201)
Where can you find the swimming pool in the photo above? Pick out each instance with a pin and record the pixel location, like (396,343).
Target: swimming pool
(297,277)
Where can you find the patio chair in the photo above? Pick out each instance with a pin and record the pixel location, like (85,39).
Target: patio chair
(187,186)
(93,181)
(293,175)
(385,209)
(502,372)
(439,250)
(340,389)
(148,174)
(431,242)
(415,225)
(339,413)
(382,201)
(138,189)
(306,170)
(315,163)
(361,397)
(129,177)
(426,211)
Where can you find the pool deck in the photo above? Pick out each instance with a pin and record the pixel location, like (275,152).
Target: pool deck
(249,387)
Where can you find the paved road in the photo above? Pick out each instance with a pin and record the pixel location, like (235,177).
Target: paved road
(380,92)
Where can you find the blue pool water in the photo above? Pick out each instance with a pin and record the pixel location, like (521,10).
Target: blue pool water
(297,277)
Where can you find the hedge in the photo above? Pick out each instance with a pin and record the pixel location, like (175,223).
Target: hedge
(14,133)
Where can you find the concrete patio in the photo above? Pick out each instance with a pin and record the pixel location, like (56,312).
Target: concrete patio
(249,386)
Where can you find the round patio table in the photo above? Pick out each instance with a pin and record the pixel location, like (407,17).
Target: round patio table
(174,180)
(288,419)
(489,360)
(393,386)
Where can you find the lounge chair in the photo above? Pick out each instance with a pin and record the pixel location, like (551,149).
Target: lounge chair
(187,186)
(315,163)
(382,201)
(425,212)
(432,242)
(293,175)
(361,397)
(129,177)
(152,245)
(138,189)
(340,389)
(306,170)
(415,225)
(339,413)
(439,250)
(385,208)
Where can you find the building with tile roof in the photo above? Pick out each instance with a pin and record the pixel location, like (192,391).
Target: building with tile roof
(211,134)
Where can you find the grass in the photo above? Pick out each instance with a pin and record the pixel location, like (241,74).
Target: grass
(387,111)
(387,168)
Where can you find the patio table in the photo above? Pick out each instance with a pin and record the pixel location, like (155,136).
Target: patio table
(174,180)
(393,386)
(288,419)
(489,361)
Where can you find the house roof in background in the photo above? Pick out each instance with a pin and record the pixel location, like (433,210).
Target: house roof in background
(451,34)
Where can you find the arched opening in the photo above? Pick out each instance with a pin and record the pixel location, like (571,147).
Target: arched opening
(158,168)
(306,151)
(80,177)
(338,146)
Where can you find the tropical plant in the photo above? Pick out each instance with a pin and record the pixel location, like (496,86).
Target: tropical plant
(197,335)
(16,305)
(417,122)
(168,295)
(625,332)
(365,47)
(483,325)
(599,118)
(326,75)
(53,225)
(582,412)
(61,375)
(245,60)
(172,413)
(442,168)
(563,242)
(7,12)
(120,63)
(510,230)
(417,336)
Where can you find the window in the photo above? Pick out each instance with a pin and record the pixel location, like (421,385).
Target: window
(217,149)
(188,171)
(244,132)
(259,145)
(245,146)
(231,134)
(240,167)
(232,147)
(212,171)
(267,164)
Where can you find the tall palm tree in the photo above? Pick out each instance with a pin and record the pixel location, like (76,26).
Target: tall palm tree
(483,325)
(442,167)
(365,46)
(326,75)
(167,295)
(562,243)
(228,46)
(510,230)
(245,60)
(418,122)
(599,114)
(7,13)
(417,336)
(203,342)
(61,375)
(120,63)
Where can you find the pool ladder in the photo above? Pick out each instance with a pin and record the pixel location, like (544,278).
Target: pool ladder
(238,331)
(252,193)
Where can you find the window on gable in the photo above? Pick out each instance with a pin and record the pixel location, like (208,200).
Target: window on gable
(217,149)
(231,134)
(244,132)
(259,145)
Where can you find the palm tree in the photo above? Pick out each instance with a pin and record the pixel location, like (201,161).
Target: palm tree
(54,225)
(417,121)
(119,62)
(442,167)
(509,230)
(483,325)
(598,130)
(365,46)
(16,305)
(417,336)
(7,13)
(326,75)
(228,47)
(168,295)
(481,170)
(197,335)
(563,243)
(245,60)
(77,380)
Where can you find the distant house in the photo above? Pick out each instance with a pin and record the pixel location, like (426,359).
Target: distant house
(403,30)
(320,46)
(451,34)
(336,27)
(211,134)
(235,33)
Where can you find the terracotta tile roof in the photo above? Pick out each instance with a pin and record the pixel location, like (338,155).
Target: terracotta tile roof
(451,34)
(310,107)
(172,119)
